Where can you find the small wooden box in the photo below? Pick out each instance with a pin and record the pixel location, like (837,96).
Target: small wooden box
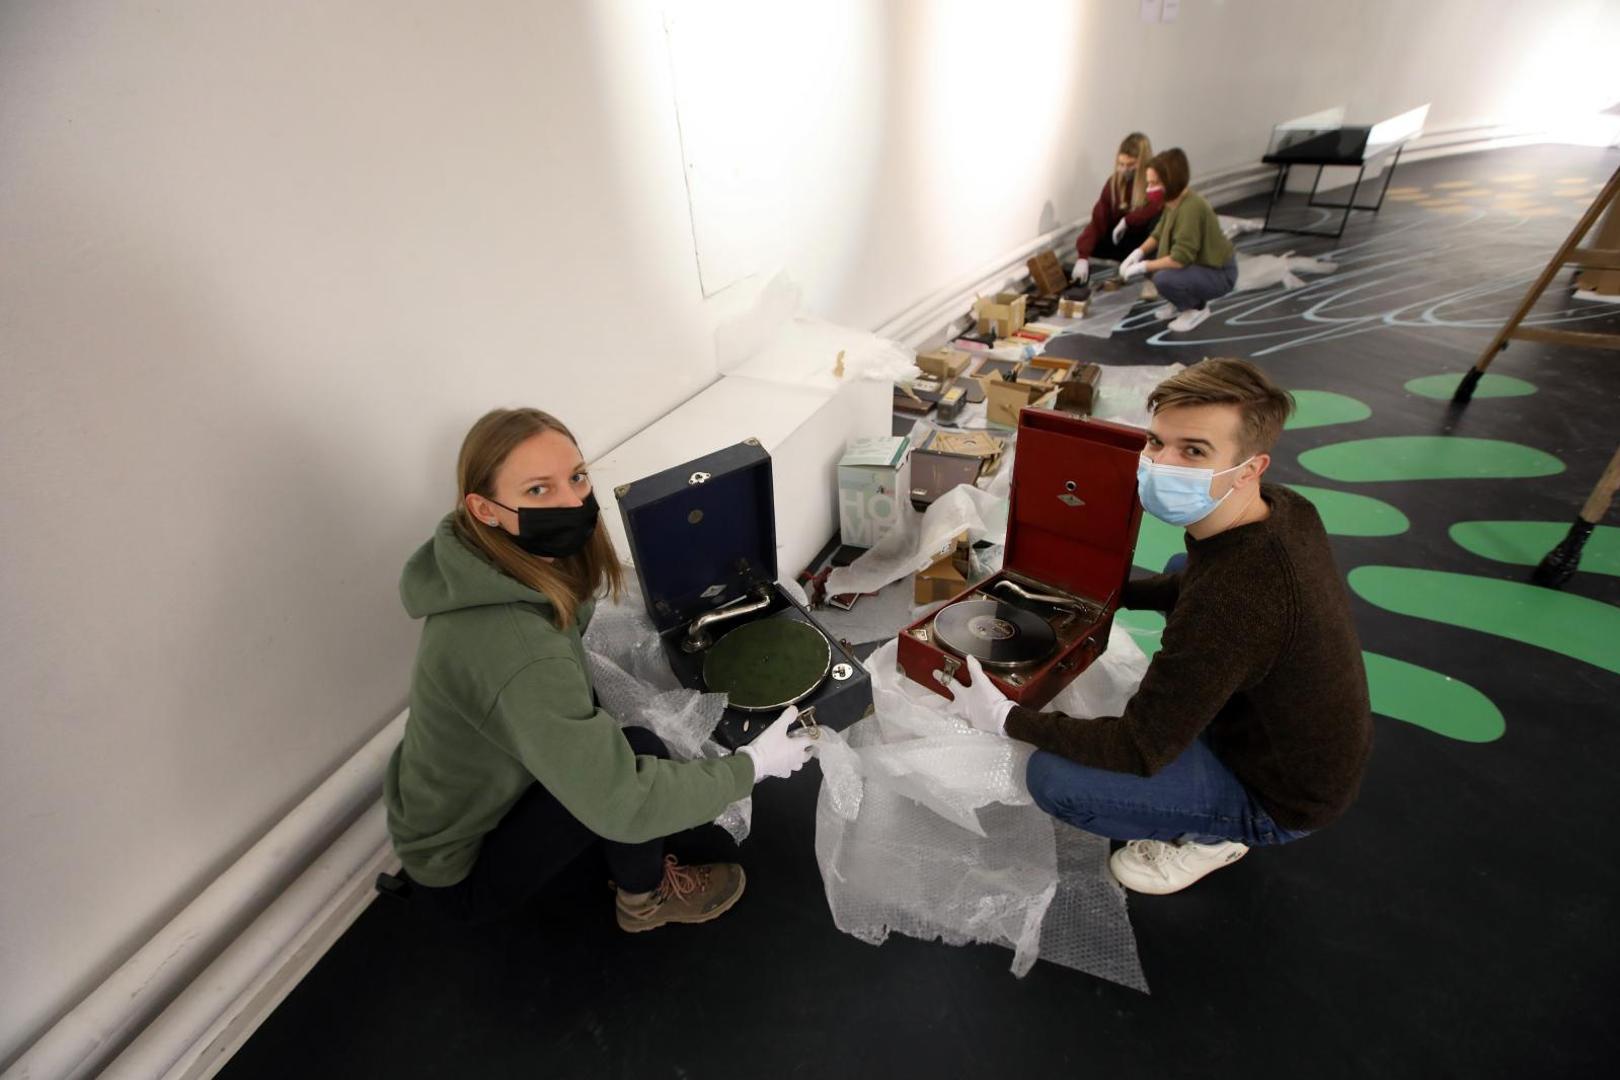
(1078,392)
(1047,274)
(1046,369)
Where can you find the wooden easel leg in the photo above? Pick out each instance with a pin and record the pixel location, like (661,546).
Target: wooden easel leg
(1561,562)
(1465,389)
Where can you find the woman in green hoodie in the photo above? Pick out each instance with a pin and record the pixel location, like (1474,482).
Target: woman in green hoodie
(508,769)
(1197,263)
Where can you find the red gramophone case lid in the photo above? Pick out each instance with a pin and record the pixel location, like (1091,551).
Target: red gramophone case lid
(1075,513)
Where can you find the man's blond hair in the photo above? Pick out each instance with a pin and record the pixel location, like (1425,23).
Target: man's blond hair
(1262,405)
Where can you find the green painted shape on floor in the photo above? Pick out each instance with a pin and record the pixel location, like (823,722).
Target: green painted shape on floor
(1581,629)
(1428,457)
(1525,543)
(1430,700)
(1319,408)
(1156,542)
(1441,387)
(1145,627)
(1347,514)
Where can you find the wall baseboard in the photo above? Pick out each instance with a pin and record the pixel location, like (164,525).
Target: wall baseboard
(82,1041)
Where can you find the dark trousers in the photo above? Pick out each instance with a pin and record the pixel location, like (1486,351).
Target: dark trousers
(1195,797)
(532,844)
(1133,239)
(1196,285)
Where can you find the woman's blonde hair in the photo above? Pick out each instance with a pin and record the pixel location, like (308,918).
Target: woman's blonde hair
(568,582)
(1137,146)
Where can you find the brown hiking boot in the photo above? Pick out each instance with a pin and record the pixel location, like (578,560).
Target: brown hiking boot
(688,894)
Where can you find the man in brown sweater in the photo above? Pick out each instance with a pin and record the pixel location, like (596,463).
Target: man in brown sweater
(1252,724)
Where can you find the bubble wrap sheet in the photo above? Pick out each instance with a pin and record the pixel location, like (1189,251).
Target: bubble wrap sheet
(636,686)
(925,827)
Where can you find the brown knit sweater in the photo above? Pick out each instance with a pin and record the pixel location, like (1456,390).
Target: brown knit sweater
(1260,649)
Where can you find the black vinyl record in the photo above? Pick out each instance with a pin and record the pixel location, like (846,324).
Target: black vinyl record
(1001,635)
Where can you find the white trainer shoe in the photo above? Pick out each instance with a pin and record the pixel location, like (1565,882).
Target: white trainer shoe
(1164,311)
(1153,866)
(1189,320)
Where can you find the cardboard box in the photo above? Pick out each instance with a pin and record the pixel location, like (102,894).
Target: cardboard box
(1071,309)
(990,369)
(1003,312)
(946,576)
(981,444)
(944,363)
(1006,399)
(935,473)
(870,483)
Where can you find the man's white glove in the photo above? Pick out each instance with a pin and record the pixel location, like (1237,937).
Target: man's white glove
(1134,266)
(1081,271)
(979,702)
(1119,231)
(777,753)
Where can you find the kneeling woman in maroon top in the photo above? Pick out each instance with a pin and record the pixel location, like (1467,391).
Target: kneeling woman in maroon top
(1126,211)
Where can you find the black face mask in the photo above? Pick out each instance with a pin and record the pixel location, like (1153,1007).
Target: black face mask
(555,532)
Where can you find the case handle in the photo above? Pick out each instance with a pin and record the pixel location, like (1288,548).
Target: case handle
(947,673)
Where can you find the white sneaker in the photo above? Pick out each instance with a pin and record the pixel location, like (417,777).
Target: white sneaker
(1164,311)
(1149,291)
(1153,866)
(1189,320)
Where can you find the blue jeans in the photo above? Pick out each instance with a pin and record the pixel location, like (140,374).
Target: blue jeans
(1195,798)
(1194,286)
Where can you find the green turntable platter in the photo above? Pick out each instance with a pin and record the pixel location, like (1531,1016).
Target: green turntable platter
(767,664)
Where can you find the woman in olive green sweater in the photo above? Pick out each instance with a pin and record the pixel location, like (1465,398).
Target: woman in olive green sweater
(1199,263)
(508,769)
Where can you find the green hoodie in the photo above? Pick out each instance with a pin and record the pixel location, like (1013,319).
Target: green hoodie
(501,698)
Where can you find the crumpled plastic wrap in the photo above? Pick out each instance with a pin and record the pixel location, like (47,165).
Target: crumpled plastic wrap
(916,540)
(635,685)
(1264,271)
(774,340)
(1233,227)
(925,827)
(1122,392)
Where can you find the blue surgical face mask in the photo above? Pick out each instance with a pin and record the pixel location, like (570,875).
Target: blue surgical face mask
(1178,494)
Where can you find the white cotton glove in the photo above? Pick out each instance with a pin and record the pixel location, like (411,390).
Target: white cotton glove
(979,702)
(1082,270)
(777,753)
(1119,231)
(1134,266)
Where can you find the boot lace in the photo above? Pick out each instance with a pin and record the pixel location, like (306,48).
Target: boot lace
(681,881)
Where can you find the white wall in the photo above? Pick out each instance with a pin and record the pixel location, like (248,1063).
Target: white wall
(260,265)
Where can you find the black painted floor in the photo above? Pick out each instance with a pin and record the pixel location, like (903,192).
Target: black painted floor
(1460,921)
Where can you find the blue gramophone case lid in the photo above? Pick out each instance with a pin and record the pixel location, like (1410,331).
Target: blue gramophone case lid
(702,534)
